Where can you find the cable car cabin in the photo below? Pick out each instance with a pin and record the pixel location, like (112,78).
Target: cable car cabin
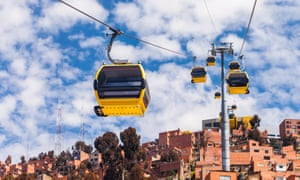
(217,95)
(238,82)
(211,61)
(234,65)
(198,74)
(121,90)
(244,121)
(233,121)
(233,107)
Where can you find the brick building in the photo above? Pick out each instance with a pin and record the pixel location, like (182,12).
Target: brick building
(290,127)
(181,140)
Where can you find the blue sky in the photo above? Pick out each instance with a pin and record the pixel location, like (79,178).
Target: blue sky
(50,53)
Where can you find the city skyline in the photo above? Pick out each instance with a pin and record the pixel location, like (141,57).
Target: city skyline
(50,53)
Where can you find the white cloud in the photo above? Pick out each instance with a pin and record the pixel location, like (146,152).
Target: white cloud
(16,26)
(38,68)
(58,16)
(8,104)
(90,42)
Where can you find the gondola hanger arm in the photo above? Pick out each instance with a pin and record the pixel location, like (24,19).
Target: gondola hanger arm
(113,36)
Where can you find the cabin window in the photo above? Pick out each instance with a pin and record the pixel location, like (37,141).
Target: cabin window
(119,82)
(237,80)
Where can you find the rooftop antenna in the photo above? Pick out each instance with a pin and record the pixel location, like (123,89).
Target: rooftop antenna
(27,147)
(82,123)
(58,136)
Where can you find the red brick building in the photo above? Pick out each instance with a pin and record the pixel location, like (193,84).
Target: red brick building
(290,127)
(181,140)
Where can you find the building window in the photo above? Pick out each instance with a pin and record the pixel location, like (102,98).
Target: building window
(253,144)
(288,122)
(256,150)
(260,165)
(225,178)
(280,178)
(216,124)
(267,158)
(267,151)
(208,125)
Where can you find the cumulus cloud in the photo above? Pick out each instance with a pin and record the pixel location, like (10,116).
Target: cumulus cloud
(50,53)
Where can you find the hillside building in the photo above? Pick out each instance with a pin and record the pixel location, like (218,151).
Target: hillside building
(290,127)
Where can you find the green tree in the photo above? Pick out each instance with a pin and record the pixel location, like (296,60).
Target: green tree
(61,162)
(42,156)
(108,146)
(8,177)
(136,173)
(25,177)
(113,172)
(276,144)
(51,154)
(91,175)
(80,145)
(170,156)
(255,121)
(23,160)
(131,143)
(8,160)
(289,140)
(82,168)
(254,134)
(141,156)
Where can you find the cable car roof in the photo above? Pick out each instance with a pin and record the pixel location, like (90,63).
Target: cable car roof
(198,71)
(211,58)
(234,65)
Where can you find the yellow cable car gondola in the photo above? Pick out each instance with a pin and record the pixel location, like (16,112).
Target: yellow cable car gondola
(211,61)
(234,65)
(217,95)
(248,122)
(233,121)
(198,74)
(120,90)
(238,82)
(233,107)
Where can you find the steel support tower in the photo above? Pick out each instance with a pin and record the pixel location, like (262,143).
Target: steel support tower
(222,49)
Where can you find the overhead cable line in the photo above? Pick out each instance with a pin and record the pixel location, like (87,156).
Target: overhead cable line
(118,32)
(155,45)
(78,10)
(247,30)
(210,16)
